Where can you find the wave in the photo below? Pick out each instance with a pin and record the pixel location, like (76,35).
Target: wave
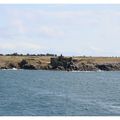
(10,69)
(87,71)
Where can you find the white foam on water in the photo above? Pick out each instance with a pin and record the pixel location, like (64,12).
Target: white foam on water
(14,69)
(10,69)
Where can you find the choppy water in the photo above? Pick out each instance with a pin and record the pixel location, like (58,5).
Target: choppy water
(25,92)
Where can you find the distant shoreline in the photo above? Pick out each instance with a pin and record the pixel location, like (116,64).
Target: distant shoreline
(60,63)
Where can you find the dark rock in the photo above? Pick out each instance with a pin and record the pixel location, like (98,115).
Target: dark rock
(25,65)
(103,67)
(109,66)
(28,66)
(60,68)
(61,63)
(64,63)
(12,65)
(87,67)
(22,63)
(4,67)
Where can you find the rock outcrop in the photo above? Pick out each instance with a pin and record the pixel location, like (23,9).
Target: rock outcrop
(60,63)
(63,63)
(70,64)
(109,66)
(25,65)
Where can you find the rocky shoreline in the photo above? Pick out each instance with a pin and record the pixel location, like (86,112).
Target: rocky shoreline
(61,63)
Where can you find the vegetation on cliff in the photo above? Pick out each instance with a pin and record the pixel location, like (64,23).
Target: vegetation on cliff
(55,62)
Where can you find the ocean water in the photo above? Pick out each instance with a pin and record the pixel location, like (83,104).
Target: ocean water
(56,93)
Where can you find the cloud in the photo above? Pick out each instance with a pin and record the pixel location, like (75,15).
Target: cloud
(34,12)
(50,31)
(19,25)
(20,46)
(33,28)
(96,49)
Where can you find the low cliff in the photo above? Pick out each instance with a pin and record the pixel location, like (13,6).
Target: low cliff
(60,63)
(70,64)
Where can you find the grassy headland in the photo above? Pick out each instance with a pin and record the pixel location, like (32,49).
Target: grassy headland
(44,62)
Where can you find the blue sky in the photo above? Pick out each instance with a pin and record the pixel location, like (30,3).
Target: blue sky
(91,30)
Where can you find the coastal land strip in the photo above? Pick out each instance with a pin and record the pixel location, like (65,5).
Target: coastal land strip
(61,63)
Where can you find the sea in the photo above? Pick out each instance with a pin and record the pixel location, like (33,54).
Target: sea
(59,93)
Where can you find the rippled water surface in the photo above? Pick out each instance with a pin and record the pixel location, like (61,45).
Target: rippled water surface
(24,92)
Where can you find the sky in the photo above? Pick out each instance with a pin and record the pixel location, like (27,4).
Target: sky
(68,29)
